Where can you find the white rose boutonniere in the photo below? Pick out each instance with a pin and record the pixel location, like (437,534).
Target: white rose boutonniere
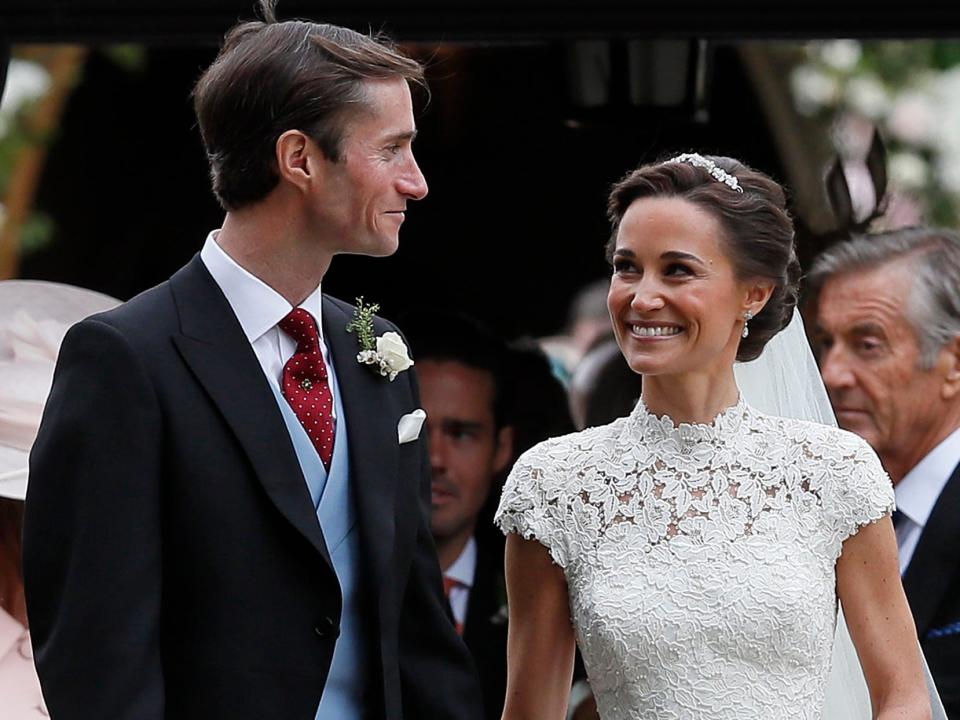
(393,351)
(388,354)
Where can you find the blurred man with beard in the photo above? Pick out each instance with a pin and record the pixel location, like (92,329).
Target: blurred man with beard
(462,373)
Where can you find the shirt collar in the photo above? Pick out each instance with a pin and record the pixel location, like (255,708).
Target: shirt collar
(917,493)
(465,566)
(257,306)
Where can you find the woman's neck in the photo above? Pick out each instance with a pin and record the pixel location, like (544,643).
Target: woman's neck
(690,398)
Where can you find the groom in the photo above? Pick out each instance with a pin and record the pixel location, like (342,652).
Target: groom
(227,516)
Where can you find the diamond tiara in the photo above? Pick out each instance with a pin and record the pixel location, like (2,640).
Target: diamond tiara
(716,172)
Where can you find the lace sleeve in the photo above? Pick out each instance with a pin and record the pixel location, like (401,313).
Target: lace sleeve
(531,504)
(861,492)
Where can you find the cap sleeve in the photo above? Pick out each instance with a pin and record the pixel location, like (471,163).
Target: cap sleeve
(532,503)
(862,492)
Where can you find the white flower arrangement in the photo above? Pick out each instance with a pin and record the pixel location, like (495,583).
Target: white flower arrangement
(911,93)
(387,354)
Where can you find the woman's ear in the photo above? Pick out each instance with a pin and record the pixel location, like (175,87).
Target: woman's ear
(756,297)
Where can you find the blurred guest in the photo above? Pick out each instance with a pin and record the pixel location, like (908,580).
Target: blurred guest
(33,319)
(462,369)
(539,407)
(603,387)
(888,329)
(588,322)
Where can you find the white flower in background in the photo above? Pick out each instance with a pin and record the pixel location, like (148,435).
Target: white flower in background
(946,99)
(813,89)
(867,95)
(908,171)
(26,81)
(841,55)
(913,118)
(948,171)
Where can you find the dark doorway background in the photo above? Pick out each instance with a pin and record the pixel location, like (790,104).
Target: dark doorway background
(514,223)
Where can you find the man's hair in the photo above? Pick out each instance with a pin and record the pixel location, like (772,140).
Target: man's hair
(933,305)
(454,337)
(271,77)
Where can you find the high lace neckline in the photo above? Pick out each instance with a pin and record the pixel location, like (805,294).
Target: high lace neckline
(662,427)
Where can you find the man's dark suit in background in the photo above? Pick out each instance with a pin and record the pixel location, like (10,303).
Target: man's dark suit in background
(932,584)
(485,629)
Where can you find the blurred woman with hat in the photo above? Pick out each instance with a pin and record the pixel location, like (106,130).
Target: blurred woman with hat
(34,317)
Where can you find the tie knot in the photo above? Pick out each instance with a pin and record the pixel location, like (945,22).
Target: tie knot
(300,325)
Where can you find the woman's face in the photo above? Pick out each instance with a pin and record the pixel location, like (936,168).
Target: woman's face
(675,302)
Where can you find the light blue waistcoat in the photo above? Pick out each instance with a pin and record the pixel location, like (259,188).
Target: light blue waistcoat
(334,499)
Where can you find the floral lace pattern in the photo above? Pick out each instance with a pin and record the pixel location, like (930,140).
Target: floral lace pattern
(700,559)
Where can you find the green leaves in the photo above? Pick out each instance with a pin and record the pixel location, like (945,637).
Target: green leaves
(362,324)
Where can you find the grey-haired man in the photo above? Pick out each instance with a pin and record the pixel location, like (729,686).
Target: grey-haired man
(888,334)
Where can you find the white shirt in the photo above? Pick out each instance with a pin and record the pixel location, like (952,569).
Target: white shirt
(259,308)
(462,570)
(919,490)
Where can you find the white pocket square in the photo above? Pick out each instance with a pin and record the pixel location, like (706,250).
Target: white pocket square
(408,429)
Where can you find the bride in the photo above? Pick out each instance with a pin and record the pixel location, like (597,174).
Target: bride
(699,545)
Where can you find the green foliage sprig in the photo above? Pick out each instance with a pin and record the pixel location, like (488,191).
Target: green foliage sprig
(362,324)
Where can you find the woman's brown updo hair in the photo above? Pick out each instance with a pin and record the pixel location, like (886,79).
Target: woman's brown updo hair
(756,226)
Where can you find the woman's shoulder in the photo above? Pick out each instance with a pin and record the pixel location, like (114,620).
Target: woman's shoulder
(576,445)
(819,439)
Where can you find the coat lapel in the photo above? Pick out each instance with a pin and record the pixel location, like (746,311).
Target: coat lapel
(215,348)
(372,430)
(934,563)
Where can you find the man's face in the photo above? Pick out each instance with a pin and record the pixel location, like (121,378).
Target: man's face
(362,198)
(466,450)
(870,359)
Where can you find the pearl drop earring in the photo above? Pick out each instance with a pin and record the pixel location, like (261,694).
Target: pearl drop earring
(747,317)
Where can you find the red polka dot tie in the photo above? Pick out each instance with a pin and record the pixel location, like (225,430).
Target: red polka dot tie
(305,384)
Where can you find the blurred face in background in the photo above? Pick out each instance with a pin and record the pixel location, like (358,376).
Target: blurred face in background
(466,448)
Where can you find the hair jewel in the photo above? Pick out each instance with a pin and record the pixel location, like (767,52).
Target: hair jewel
(716,172)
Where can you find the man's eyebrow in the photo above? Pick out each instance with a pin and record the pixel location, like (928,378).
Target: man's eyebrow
(624,252)
(403,136)
(868,328)
(449,425)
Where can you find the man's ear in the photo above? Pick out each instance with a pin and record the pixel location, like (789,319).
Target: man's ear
(294,164)
(950,357)
(504,448)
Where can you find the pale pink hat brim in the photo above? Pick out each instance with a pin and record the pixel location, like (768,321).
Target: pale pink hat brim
(34,317)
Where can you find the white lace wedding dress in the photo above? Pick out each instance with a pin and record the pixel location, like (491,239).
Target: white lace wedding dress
(700,559)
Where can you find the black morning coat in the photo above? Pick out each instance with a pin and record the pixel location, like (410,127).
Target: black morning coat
(174,564)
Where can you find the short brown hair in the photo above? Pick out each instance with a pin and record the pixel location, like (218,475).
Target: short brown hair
(755,222)
(270,77)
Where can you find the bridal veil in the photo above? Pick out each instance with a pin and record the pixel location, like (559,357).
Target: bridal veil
(785,381)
